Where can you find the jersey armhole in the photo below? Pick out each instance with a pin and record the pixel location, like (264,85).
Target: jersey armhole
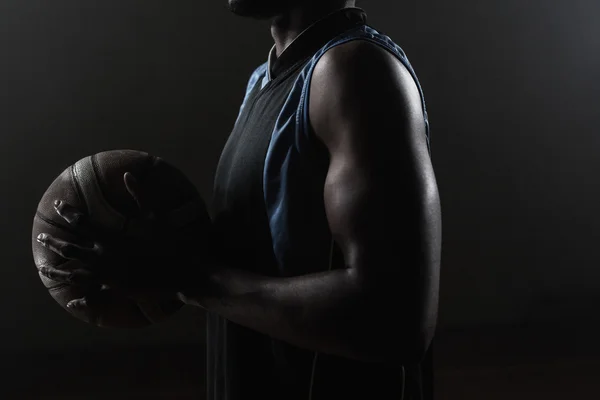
(304,125)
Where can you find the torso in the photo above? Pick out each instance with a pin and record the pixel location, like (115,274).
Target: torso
(269,214)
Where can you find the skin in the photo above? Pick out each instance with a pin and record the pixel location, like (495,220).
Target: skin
(288,17)
(383,209)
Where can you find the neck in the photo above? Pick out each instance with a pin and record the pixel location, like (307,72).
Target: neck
(285,28)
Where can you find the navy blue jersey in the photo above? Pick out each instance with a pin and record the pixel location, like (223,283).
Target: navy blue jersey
(269,212)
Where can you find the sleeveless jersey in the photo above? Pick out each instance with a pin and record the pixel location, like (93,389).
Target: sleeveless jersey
(268,211)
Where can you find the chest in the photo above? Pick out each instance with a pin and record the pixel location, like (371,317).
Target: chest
(239,175)
(238,205)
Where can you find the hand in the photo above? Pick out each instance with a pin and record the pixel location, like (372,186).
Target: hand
(155,261)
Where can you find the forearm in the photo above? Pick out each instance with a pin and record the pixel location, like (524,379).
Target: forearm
(325,312)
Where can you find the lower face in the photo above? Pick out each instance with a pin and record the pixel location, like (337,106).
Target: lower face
(261,9)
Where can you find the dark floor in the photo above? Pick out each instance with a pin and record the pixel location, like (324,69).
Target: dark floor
(473,364)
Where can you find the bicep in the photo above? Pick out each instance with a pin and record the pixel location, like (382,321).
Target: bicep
(380,194)
(383,208)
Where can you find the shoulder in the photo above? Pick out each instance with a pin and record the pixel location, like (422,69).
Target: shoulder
(360,52)
(358,78)
(359,61)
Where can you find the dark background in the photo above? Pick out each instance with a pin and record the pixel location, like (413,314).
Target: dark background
(513,94)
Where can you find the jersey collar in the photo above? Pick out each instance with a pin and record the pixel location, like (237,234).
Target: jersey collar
(313,38)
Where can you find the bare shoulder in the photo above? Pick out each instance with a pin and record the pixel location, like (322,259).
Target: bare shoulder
(362,63)
(359,54)
(360,78)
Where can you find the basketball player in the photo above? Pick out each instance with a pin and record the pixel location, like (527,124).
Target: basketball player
(327,213)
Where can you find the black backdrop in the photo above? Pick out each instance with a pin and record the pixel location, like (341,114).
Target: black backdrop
(512,89)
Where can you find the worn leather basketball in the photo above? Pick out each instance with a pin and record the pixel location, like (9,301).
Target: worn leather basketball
(95,185)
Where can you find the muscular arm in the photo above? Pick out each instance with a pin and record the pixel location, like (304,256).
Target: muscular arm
(383,209)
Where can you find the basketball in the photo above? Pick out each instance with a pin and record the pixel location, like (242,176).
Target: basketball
(95,186)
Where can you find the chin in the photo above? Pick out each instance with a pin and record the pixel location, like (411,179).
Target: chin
(259,9)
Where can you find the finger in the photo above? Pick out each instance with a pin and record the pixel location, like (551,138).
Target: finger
(135,189)
(73,276)
(77,304)
(74,217)
(71,251)
(82,309)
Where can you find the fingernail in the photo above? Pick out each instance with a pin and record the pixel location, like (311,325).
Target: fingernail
(41,237)
(57,203)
